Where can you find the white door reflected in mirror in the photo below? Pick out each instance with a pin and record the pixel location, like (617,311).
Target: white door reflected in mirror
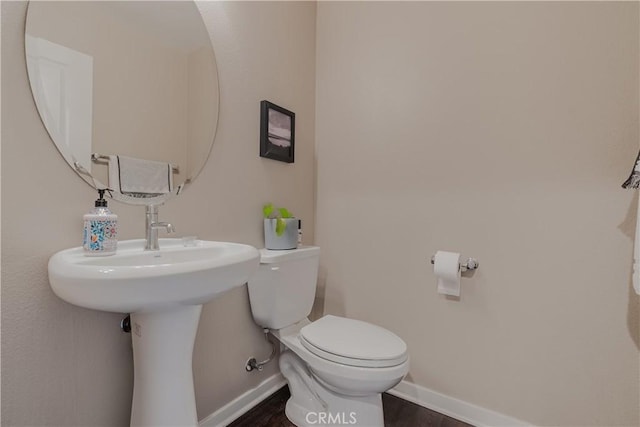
(63,90)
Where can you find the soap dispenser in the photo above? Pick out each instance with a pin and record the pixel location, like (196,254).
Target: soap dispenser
(100,229)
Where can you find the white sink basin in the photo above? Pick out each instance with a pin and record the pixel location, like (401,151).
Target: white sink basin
(134,280)
(164,291)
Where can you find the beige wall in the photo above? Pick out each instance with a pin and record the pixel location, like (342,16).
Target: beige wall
(63,365)
(502,131)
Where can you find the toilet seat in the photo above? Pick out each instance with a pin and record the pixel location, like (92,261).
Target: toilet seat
(344,379)
(353,343)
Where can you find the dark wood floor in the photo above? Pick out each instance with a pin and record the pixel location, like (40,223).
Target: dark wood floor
(397,413)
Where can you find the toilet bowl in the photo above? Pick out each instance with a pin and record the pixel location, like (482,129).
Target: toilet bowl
(347,393)
(336,367)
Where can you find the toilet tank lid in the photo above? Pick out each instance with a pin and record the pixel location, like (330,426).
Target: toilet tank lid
(268,256)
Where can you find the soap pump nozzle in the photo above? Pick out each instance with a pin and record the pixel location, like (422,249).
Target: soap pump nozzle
(100,201)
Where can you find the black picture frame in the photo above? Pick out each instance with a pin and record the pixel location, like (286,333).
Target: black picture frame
(277,132)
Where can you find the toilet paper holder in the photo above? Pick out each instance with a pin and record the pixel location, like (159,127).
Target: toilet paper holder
(471,264)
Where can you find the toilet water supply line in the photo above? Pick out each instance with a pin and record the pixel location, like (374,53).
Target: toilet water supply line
(304,375)
(253,363)
(633,182)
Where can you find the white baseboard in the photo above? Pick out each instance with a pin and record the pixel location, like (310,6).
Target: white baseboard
(243,403)
(452,407)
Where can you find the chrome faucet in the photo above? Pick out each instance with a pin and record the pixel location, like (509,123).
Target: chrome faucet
(151,226)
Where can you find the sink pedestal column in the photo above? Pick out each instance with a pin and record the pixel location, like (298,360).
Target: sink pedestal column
(163,392)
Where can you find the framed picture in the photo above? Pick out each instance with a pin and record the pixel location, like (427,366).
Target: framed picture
(277,132)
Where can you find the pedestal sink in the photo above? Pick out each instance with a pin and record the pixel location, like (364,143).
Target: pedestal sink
(164,291)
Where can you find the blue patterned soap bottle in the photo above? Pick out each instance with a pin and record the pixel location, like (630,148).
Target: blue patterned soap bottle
(100,229)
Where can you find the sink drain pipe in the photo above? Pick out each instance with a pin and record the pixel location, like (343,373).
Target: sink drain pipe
(252,364)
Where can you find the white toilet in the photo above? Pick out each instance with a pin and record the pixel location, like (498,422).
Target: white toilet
(336,368)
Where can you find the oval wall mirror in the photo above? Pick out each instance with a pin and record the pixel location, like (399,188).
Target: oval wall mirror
(130,81)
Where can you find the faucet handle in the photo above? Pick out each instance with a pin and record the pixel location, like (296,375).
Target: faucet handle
(166,225)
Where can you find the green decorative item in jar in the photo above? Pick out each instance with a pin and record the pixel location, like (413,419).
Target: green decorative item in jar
(280,231)
(279,214)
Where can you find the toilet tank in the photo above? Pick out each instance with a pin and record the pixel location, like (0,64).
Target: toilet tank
(283,289)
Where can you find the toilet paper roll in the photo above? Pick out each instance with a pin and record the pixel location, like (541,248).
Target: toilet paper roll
(446,266)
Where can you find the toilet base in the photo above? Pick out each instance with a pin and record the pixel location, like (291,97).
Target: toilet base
(312,404)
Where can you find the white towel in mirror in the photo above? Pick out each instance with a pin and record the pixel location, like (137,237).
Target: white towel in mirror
(146,178)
